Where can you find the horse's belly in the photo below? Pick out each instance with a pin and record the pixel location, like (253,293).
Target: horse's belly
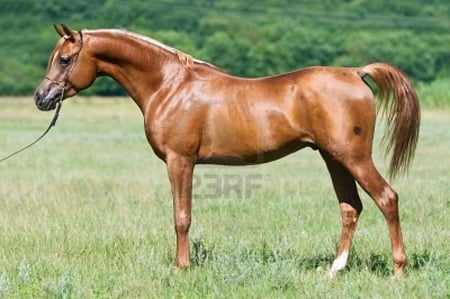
(244,156)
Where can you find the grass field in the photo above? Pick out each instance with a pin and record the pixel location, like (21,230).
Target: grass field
(86,213)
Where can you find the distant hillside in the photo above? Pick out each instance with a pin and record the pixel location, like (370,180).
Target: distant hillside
(247,38)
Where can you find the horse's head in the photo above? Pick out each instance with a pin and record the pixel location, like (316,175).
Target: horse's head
(69,70)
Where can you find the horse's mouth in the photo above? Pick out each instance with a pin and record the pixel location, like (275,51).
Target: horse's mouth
(47,102)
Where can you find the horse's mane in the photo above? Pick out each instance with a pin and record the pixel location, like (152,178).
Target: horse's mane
(183,57)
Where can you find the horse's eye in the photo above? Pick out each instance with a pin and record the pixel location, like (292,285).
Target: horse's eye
(64,60)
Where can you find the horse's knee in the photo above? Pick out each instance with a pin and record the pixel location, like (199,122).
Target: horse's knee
(182,222)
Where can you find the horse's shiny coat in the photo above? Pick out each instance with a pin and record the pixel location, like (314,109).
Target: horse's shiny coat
(195,113)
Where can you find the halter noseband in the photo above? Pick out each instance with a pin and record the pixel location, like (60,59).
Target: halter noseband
(63,83)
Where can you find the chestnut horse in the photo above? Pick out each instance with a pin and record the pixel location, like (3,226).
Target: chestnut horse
(195,113)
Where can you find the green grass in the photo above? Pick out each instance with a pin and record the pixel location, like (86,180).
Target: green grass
(86,213)
(435,94)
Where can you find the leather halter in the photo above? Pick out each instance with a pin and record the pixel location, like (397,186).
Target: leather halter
(63,83)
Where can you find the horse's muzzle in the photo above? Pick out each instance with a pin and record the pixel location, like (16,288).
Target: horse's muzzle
(46,101)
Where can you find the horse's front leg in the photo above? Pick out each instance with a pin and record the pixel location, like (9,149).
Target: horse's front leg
(180,171)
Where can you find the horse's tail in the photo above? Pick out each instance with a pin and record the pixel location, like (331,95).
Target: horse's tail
(400,106)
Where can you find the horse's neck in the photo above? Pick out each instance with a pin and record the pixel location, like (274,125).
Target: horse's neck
(140,67)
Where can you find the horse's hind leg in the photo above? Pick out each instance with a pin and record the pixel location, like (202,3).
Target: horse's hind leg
(387,201)
(350,206)
(364,172)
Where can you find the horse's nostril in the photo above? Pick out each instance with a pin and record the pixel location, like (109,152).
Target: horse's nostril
(39,100)
(36,97)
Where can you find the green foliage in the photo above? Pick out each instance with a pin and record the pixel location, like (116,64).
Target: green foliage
(246,38)
(435,94)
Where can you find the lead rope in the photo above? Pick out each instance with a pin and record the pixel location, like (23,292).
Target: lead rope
(58,105)
(52,124)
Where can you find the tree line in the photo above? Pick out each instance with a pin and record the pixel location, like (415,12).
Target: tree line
(245,38)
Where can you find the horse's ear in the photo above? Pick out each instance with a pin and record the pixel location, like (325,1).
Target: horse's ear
(59,30)
(65,32)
